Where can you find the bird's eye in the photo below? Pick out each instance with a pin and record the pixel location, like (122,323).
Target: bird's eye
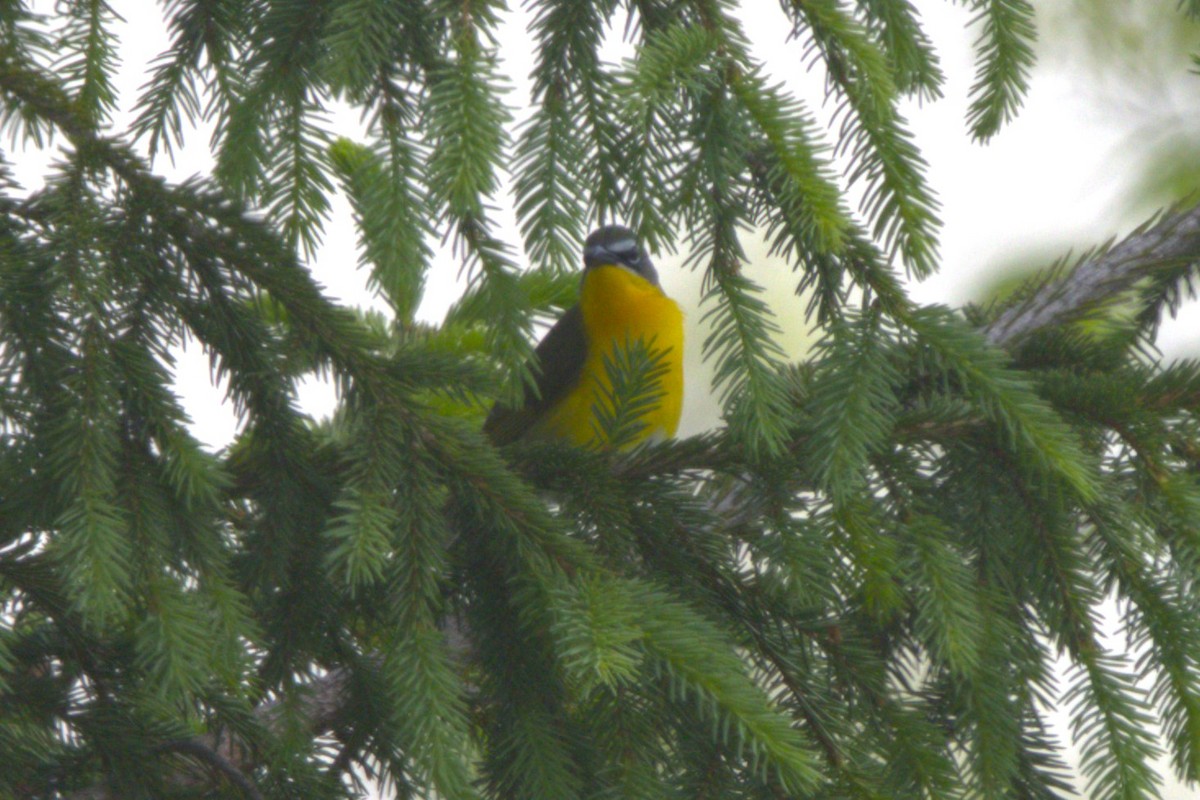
(626,249)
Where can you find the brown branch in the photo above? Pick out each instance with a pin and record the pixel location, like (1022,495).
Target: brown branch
(320,707)
(219,763)
(1170,241)
(323,699)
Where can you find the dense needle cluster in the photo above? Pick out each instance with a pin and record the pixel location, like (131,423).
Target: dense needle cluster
(867,583)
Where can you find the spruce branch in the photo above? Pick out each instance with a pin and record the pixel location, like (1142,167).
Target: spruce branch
(1005,54)
(898,28)
(202,32)
(632,389)
(872,133)
(1166,246)
(387,210)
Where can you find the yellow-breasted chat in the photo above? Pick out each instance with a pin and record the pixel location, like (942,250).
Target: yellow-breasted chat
(620,302)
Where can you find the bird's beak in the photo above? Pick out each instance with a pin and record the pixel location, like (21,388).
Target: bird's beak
(597,254)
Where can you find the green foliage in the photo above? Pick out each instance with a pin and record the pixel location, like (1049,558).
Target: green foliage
(387,211)
(1005,53)
(88,59)
(881,151)
(554,164)
(632,388)
(203,33)
(856,397)
(914,62)
(865,584)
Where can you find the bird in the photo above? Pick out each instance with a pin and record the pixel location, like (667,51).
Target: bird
(620,302)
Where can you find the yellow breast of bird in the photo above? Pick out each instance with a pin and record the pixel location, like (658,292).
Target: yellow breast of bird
(619,306)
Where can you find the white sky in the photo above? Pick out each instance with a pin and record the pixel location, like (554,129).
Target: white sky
(1051,180)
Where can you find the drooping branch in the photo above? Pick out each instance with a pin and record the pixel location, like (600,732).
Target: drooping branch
(1171,241)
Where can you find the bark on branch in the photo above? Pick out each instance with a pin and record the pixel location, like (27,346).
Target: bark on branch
(1171,241)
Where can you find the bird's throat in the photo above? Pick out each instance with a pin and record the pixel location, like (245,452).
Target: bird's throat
(618,303)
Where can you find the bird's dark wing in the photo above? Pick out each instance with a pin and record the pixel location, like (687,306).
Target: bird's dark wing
(559,359)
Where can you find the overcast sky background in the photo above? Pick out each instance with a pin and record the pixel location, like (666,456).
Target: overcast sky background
(1057,178)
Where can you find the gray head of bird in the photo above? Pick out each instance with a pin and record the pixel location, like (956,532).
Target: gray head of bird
(617,245)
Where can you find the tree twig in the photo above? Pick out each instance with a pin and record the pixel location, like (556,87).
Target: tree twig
(323,700)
